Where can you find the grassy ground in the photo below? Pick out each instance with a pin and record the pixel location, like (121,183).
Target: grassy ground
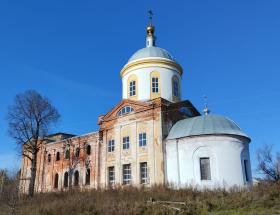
(260,199)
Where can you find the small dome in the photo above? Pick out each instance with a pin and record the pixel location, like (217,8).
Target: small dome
(151,51)
(205,125)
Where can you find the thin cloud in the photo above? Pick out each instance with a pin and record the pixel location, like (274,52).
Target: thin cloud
(70,84)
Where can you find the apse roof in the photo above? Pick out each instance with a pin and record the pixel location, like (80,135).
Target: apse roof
(205,125)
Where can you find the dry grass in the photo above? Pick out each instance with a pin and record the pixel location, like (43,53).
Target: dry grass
(261,199)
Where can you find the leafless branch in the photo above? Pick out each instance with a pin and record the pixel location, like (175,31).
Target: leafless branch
(30,118)
(267,164)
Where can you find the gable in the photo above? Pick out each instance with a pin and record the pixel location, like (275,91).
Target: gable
(136,105)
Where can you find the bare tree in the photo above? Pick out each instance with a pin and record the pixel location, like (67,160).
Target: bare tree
(268,165)
(9,197)
(30,118)
(3,177)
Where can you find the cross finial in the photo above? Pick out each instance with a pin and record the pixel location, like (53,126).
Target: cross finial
(150,12)
(206,109)
(150,39)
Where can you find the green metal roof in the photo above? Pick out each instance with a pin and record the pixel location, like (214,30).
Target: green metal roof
(205,125)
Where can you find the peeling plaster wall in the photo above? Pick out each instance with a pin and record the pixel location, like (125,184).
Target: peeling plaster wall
(46,170)
(152,153)
(155,119)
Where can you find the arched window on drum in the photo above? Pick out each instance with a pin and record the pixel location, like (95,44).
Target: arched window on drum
(155,84)
(132,87)
(175,88)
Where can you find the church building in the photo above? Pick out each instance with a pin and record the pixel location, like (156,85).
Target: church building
(151,137)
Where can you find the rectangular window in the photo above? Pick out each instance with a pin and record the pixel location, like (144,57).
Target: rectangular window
(175,88)
(155,85)
(144,173)
(125,142)
(142,140)
(111,176)
(205,172)
(126,174)
(132,88)
(111,146)
(246,170)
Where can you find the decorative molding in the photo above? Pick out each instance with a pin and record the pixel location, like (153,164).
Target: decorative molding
(129,66)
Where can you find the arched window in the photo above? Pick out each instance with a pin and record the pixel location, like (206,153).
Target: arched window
(87,176)
(49,157)
(175,87)
(88,149)
(132,86)
(67,154)
(125,110)
(76,178)
(77,152)
(57,156)
(66,176)
(155,84)
(56,181)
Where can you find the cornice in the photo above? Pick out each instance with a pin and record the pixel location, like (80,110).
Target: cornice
(146,62)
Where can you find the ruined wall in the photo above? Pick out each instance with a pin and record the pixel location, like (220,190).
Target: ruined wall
(49,164)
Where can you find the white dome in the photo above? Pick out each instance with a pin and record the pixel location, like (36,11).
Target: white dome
(151,51)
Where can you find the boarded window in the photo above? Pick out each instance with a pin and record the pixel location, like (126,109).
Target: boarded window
(66,176)
(126,174)
(87,176)
(76,178)
(205,171)
(56,181)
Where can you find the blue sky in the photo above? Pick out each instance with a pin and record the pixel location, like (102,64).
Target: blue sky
(72,52)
